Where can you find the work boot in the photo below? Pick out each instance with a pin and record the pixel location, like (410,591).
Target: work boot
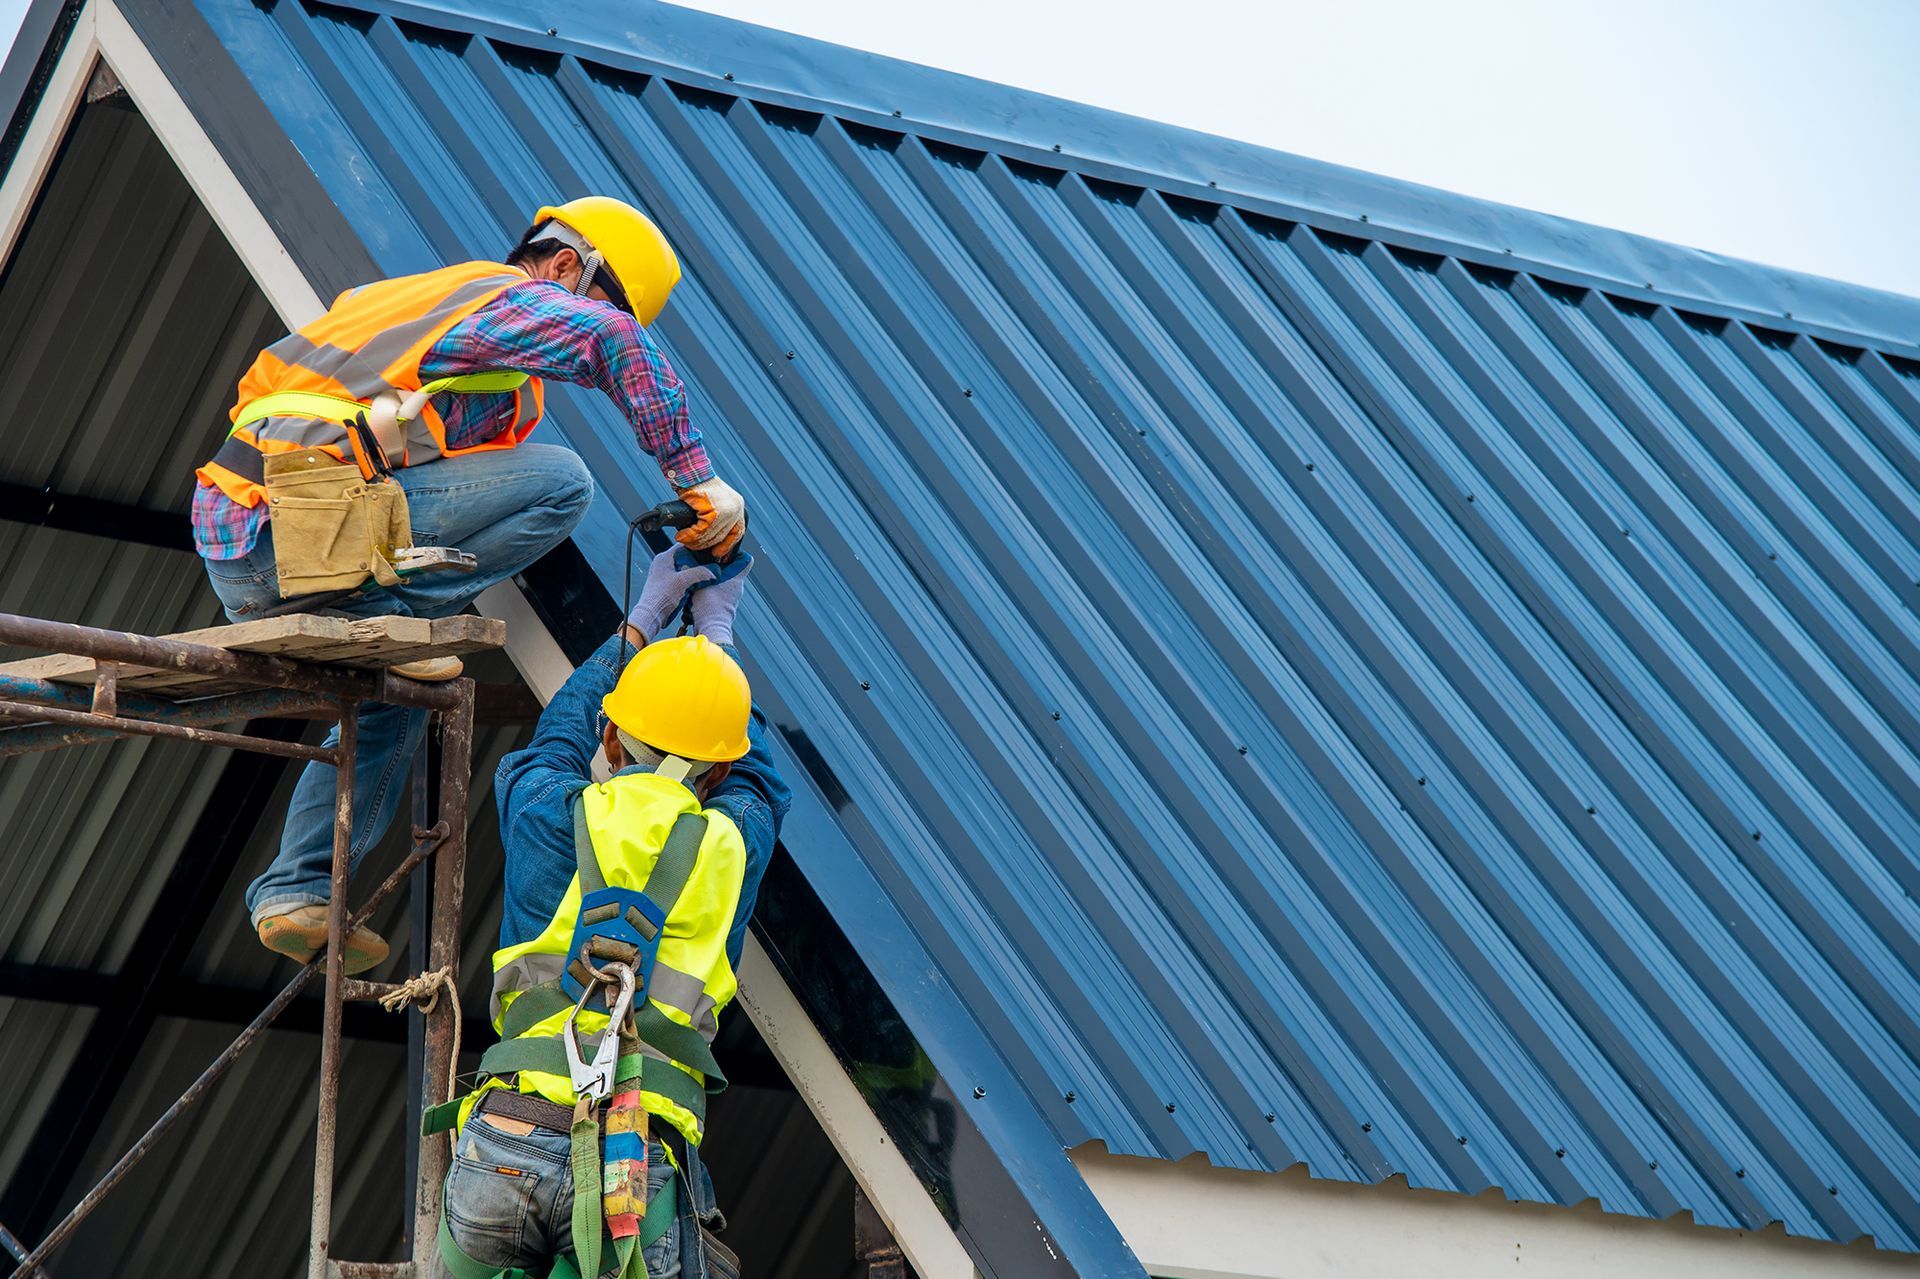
(301,933)
(431,670)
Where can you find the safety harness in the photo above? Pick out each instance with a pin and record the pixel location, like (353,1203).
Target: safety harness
(615,943)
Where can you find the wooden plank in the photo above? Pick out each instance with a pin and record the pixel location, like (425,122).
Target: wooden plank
(366,643)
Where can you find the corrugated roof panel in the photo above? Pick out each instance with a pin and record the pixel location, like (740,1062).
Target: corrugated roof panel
(1275,663)
(38,1043)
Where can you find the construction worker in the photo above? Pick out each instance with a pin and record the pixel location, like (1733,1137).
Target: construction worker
(442,372)
(632,894)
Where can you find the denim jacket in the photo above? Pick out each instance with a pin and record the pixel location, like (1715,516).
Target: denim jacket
(535,788)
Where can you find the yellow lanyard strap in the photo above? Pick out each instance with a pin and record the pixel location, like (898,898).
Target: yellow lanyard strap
(338,408)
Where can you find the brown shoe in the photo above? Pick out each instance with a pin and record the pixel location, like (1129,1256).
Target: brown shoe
(301,933)
(430,670)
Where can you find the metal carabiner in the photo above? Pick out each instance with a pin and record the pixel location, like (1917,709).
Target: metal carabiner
(594,1079)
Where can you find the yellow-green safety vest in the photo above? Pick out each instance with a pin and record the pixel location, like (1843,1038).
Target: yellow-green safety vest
(623,825)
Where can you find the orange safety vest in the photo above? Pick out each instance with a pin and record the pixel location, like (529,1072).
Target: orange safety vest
(365,353)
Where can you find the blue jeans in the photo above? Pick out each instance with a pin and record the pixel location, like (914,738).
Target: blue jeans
(509,1200)
(506,508)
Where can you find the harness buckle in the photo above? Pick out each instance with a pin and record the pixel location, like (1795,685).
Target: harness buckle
(594,1079)
(628,919)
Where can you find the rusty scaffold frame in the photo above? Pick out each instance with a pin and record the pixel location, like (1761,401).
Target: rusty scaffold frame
(57,715)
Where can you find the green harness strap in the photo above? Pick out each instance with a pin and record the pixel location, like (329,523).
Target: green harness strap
(671,869)
(682,1043)
(586,1189)
(547,1055)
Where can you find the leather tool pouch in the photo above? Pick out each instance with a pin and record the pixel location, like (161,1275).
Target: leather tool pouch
(332,529)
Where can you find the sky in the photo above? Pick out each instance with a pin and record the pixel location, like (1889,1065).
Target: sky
(1785,131)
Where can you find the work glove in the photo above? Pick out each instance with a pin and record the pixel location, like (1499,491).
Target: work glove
(723,517)
(715,601)
(669,577)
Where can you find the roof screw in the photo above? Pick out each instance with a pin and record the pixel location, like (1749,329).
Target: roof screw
(896,115)
(1756,834)
(1469,497)
(1056,146)
(1056,714)
(1367,1127)
(1423,781)
(1740,1172)
(978,1093)
(1463,1141)
(1832,1190)
(1772,556)
(789,355)
(553,31)
(1654,1166)
(1269,1116)
(729,75)
(1589,810)
(1169,1108)
(968,393)
(1363,217)
(865,687)
(1508,251)
(1560,1153)
(1070,1096)
(1241,749)
(1212,183)
(1309,466)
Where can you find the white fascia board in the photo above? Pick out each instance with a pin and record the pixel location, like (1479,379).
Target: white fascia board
(1190,1220)
(232,210)
(51,116)
(877,1164)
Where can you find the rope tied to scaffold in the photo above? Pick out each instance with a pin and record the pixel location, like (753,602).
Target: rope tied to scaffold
(424,990)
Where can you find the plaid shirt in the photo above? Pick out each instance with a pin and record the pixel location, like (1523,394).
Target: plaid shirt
(538,328)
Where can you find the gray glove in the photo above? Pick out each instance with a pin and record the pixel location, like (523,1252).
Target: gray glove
(669,577)
(715,601)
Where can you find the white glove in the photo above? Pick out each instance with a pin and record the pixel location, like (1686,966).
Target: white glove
(671,575)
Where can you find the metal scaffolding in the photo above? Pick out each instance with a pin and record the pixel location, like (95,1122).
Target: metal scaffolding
(56,715)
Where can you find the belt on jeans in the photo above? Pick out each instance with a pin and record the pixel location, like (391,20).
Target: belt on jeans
(537,1111)
(542,1113)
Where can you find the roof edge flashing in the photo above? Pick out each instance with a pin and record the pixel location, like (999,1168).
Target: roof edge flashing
(726,55)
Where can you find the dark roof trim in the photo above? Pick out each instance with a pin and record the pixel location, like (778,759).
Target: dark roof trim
(29,65)
(781,69)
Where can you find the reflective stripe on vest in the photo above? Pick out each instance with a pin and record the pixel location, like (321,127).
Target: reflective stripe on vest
(628,819)
(301,389)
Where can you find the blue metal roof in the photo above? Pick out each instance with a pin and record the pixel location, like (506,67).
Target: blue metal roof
(1312,687)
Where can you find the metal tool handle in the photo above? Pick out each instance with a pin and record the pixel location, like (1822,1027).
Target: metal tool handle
(676,514)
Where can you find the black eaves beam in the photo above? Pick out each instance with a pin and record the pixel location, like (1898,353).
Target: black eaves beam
(71,513)
(202,1001)
(236,1006)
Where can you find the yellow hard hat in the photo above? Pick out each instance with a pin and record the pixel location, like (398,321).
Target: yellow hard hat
(686,697)
(629,244)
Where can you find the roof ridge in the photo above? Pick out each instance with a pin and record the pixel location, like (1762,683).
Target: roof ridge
(729,55)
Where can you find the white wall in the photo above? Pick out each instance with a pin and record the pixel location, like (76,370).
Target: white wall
(1192,1221)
